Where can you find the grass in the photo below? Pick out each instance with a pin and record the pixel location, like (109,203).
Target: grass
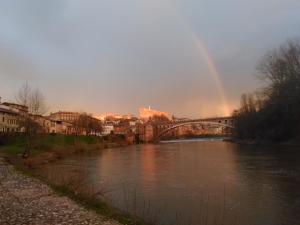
(46,143)
(47,148)
(14,146)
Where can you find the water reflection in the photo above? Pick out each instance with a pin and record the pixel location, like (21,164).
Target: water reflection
(271,178)
(193,183)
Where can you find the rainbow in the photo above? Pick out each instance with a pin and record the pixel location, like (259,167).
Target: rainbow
(212,67)
(213,72)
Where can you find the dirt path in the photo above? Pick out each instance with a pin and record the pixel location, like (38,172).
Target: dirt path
(25,200)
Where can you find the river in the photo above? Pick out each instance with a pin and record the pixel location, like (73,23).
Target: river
(195,182)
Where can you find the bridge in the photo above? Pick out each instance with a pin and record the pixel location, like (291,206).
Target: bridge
(162,129)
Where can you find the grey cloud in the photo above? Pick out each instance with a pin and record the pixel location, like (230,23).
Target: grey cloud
(13,66)
(115,55)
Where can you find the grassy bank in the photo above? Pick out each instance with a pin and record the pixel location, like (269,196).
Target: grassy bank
(49,148)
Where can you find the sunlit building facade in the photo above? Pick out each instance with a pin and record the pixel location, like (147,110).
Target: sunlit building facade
(147,113)
(69,117)
(8,120)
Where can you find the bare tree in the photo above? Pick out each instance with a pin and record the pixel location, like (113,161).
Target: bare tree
(23,95)
(34,100)
(273,113)
(85,123)
(80,124)
(37,104)
(95,126)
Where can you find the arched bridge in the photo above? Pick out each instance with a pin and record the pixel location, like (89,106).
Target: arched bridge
(225,122)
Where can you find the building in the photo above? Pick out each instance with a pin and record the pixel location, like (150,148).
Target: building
(107,129)
(145,132)
(114,117)
(43,122)
(69,123)
(10,116)
(22,109)
(54,126)
(69,117)
(60,127)
(147,113)
(8,120)
(122,128)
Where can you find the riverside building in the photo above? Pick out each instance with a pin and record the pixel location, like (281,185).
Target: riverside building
(9,117)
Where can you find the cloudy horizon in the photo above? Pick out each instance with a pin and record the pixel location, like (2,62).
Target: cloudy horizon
(192,58)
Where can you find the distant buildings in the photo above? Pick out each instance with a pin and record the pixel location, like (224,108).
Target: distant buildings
(118,124)
(12,114)
(147,113)
(107,129)
(114,117)
(143,129)
(74,123)
(68,117)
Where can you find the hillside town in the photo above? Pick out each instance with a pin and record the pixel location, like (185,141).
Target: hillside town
(132,128)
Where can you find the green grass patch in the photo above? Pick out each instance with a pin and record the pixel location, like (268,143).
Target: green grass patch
(44,143)
(13,149)
(13,145)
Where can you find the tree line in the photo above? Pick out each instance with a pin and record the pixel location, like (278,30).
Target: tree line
(272,113)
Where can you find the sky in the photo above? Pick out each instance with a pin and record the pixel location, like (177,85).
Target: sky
(192,58)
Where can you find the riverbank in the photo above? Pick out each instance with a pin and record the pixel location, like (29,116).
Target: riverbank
(26,200)
(50,148)
(22,172)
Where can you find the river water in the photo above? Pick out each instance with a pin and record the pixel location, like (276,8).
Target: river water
(196,182)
